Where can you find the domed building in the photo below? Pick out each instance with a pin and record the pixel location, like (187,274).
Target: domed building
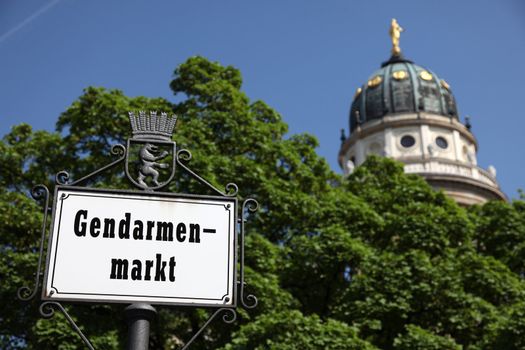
(406,112)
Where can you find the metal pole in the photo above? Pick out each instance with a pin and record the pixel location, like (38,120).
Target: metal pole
(138,317)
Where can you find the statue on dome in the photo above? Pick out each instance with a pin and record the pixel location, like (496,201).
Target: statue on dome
(395,34)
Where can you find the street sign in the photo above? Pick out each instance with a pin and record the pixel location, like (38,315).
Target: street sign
(147,247)
(128,246)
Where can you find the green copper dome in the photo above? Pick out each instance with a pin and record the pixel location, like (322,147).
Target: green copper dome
(401,87)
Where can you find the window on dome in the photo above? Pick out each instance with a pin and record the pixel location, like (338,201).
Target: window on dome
(374,103)
(430,99)
(408,141)
(441,142)
(402,95)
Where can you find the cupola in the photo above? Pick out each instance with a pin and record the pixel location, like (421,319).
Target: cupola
(406,112)
(399,87)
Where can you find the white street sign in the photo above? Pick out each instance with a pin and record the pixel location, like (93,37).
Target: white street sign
(125,247)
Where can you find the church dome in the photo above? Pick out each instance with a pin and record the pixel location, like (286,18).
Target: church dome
(401,87)
(405,112)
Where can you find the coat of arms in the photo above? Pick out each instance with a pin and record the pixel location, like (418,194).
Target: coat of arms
(150,159)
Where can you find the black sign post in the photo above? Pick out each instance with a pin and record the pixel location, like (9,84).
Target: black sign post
(138,317)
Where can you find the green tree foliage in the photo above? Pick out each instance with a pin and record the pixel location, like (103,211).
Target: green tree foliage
(418,338)
(291,330)
(378,260)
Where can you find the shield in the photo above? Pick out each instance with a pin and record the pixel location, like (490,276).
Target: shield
(150,163)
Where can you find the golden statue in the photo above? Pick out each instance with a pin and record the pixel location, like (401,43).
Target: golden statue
(395,33)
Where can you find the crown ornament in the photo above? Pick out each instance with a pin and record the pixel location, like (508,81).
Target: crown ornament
(152,126)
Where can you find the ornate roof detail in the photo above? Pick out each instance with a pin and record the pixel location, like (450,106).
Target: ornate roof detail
(401,87)
(395,34)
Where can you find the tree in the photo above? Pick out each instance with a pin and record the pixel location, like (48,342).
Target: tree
(376,260)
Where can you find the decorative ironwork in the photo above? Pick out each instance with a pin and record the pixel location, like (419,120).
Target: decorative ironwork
(47,311)
(151,133)
(229,317)
(150,152)
(152,127)
(38,192)
(62,177)
(250,205)
(184,155)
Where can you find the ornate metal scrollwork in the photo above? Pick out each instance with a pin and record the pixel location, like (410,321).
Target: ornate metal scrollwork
(229,317)
(62,177)
(184,155)
(47,311)
(250,301)
(26,293)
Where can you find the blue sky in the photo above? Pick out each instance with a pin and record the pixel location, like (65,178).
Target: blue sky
(303,58)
